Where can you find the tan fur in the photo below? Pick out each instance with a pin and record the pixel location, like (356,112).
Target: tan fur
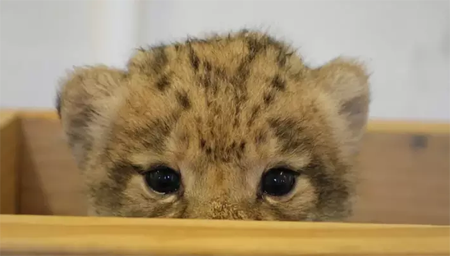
(221,111)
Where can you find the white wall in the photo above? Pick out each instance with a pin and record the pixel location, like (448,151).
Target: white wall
(40,40)
(405,43)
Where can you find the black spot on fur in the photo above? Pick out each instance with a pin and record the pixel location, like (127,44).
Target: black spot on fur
(254,47)
(109,193)
(183,100)
(163,82)
(275,43)
(202,144)
(223,152)
(208,66)
(240,97)
(158,130)
(219,72)
(260,137)
(242,146)
(58,104)
(154,134)
(159,59)
(193,58)
(290,134)
(268,98)
(121,174)
(282,49)
(283,57)
(254,115)
(206,82)
(237,111)
(333,191)
(278,83)
(209,77)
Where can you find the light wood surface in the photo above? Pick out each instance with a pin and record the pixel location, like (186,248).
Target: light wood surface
(404,178)
(407,127)
(49,114)
(10,144)
(50,181)
(374,125)
(81,235)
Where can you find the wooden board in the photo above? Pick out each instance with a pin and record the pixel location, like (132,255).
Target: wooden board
(50,182)
(25,235)
(404,178)
(10,145)
(404,175)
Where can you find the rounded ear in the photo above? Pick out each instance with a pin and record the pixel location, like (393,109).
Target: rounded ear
(84,104)
(346,81)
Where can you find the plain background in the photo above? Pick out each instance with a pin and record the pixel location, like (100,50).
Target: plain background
(405,43)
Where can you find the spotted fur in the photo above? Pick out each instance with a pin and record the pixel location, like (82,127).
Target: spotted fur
(221,110)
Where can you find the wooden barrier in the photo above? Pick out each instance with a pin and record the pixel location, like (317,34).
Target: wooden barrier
(127,236)
(10,142)
(404,187)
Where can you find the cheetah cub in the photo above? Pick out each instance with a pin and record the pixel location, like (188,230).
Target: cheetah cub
(231,126)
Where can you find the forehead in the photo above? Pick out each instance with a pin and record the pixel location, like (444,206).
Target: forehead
(219,95)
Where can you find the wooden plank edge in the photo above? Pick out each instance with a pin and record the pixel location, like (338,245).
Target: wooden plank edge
(416,127)
(10,157)
(50,114)
(7,118)
(374,125)
(133,236)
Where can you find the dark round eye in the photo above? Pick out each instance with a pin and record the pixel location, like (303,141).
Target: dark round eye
(163,179)
(278,181)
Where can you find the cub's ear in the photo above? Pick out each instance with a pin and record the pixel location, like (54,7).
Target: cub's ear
(84,103)
(346,82)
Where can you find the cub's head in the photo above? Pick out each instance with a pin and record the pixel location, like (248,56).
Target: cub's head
(227,127)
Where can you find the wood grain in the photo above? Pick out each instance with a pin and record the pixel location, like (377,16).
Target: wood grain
(404,178)
(48,114)
(407,127)
(10,144)
(127,236)
(374,125)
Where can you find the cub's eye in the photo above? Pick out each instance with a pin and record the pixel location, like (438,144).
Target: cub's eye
(278,181)
(163,179)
